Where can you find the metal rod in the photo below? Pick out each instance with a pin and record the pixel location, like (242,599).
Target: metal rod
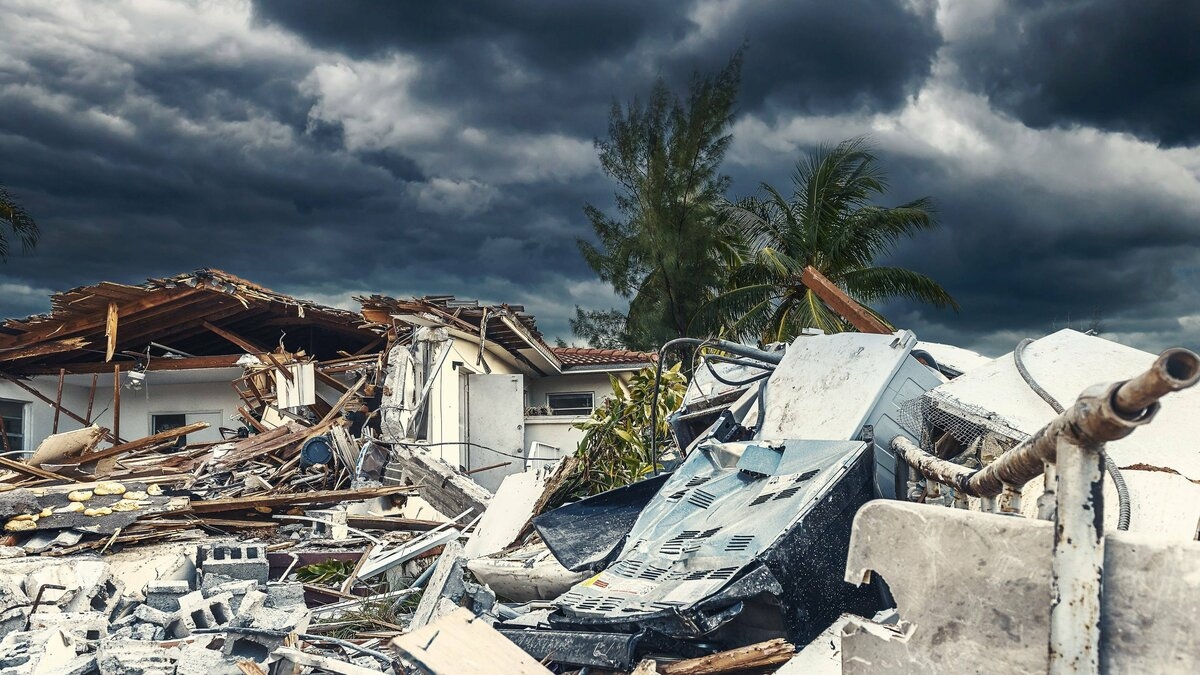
(1078,565)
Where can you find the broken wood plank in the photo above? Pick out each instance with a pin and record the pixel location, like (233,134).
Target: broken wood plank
(439,648)
(62,375)
(21,467)
(110,332)
(389,523)
(245,344)
(837,299)
(160,437)
(299,498)
(761,655)
(117,402)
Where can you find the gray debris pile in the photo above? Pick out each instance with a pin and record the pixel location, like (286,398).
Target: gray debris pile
(842,504)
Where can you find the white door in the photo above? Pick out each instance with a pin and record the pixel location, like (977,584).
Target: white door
(495,421)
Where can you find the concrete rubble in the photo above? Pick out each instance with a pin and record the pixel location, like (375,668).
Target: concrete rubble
(849,503)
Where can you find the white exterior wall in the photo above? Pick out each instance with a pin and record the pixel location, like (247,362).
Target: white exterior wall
(194,396)
(446,407)
(557,430)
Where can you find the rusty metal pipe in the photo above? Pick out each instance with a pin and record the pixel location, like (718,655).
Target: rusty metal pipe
(1174,369)
(1100,414)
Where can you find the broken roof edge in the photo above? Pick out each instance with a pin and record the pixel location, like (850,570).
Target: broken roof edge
(63,303)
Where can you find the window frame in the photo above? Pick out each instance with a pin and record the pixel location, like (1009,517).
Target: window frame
(22,436)
(574,411)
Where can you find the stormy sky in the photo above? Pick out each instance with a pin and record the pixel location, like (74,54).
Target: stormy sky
(325,149)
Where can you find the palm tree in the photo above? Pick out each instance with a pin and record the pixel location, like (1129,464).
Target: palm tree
(830,223)
(15,219)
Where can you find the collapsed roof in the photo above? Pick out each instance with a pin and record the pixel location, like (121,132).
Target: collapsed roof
(205,318)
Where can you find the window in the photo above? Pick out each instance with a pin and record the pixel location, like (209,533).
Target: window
(13,413)
(577,403)
(161,423)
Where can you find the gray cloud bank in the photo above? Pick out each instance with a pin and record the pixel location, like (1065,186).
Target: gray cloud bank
(325,149)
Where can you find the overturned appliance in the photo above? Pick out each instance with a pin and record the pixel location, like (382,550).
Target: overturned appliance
(747,539)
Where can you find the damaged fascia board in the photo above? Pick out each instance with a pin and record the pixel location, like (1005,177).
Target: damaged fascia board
(430,321)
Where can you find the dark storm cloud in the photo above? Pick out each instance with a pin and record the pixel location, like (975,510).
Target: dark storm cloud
(1114,64)
(413,148)
(555,66)
(1023,258)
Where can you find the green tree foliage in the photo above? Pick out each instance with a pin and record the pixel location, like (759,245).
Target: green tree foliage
(17,222)
(615,450)
(830,222)
(601,328)
(668,246)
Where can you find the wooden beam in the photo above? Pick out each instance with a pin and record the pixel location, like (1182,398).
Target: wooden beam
(110,332)
(160,437)
(44,349)
(62,374)
(91,396)
(270,501)
(761,655)
(117,401)
(249,346)
(189,363)
(21,467)
(837,299)
(111,436)
(81,323)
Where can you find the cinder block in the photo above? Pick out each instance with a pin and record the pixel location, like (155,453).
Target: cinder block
(164,595)
(245,561)
(196,659)
(196,611)
(148,614)
(236,588)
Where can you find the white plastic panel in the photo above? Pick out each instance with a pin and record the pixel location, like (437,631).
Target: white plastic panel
(826,385)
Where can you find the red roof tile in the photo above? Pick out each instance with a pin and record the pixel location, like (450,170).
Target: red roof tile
(590,356)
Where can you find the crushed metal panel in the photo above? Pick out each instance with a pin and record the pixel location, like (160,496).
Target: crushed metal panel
(585,535)
(716,537)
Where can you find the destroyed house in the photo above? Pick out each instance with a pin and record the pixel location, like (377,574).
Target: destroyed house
(500,399)
(137,359)
(193,349)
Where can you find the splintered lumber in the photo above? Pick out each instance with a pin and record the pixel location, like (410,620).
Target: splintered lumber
(389,523)
(299,498)
(167,436)
(837,299)
(438,483)
(761,655)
